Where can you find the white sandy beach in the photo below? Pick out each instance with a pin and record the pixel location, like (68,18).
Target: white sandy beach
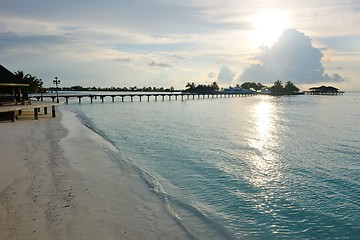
(61,183)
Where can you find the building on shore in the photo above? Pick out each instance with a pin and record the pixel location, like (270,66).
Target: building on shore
(10,87)
(237,90)
(13,101)
(324,90)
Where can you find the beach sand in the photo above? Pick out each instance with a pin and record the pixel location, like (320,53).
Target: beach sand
(65,183)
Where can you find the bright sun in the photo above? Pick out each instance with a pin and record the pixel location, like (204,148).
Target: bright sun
(268,26)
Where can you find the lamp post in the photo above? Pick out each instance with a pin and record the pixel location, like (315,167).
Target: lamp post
(41,93)
(56,82)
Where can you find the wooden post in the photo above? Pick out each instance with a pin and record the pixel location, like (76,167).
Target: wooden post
(113,98)
(36,113)
(79,99)
(148,98)
(67,100)
(45,110)
(53,111)
(91,99)
(13,116)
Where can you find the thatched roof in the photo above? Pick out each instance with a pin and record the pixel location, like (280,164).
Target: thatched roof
(7,78)
(324,89)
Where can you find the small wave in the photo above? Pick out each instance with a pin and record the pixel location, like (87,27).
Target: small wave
(151,181)
(155,186)
(212,224)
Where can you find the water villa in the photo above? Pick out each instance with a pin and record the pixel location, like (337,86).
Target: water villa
(324,90)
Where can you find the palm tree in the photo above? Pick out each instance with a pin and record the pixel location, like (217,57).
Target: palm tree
(190,85)
(277,88)
(214,86)
(35,84)
(290,87)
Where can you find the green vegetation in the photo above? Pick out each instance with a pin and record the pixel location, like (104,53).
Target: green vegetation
(35,84)
(190,87)
(116,89)
(253,86)
(279,89)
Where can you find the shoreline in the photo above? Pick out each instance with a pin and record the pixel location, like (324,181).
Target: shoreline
(60,180)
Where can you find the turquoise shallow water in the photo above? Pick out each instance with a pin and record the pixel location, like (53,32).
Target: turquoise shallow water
(244,168)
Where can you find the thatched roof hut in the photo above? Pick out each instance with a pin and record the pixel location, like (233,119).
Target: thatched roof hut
(10,86)
(324,90)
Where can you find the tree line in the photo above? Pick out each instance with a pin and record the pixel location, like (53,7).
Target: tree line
(278,88)
(192,88)
(116,89)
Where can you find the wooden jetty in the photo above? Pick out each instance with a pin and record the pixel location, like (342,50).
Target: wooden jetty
(15,110)
(139,96)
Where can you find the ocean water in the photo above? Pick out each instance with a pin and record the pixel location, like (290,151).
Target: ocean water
(257,167)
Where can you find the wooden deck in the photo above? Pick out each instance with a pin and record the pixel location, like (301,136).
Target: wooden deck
(324,93)
(35,106)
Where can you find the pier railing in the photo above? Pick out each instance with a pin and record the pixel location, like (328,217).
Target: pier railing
(139,96)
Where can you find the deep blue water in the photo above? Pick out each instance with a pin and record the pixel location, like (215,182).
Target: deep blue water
(256,167)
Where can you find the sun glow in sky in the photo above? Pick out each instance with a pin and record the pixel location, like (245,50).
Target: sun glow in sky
(164,43)
(268,26)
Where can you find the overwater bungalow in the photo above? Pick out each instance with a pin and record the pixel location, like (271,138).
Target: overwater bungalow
(324,90)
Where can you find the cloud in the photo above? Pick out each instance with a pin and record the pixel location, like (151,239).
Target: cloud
(127,59)
(155,64)
(226,75)
(292,58)
(13,40)
(211,74)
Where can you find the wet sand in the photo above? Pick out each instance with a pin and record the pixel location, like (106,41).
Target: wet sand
(68,183)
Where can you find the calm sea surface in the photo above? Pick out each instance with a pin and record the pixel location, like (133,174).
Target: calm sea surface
(256,167)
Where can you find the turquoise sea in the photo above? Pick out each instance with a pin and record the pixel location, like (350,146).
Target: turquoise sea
(257,167)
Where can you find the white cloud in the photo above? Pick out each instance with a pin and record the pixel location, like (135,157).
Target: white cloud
(185,37)
(211,74)
(226,75)
(292,58)
(156,64)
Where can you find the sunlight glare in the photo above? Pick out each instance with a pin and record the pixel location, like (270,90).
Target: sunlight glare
(268,26)
(264,163)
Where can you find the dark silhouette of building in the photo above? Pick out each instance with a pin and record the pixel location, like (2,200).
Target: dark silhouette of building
(10,87)
(324,90)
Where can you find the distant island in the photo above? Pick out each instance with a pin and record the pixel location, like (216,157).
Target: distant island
(277,89)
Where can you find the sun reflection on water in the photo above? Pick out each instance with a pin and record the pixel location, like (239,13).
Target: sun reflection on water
(264,160)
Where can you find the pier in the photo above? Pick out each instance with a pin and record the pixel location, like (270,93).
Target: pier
(323,93)
(139,96)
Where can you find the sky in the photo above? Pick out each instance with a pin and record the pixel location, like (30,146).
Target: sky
(168,43)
